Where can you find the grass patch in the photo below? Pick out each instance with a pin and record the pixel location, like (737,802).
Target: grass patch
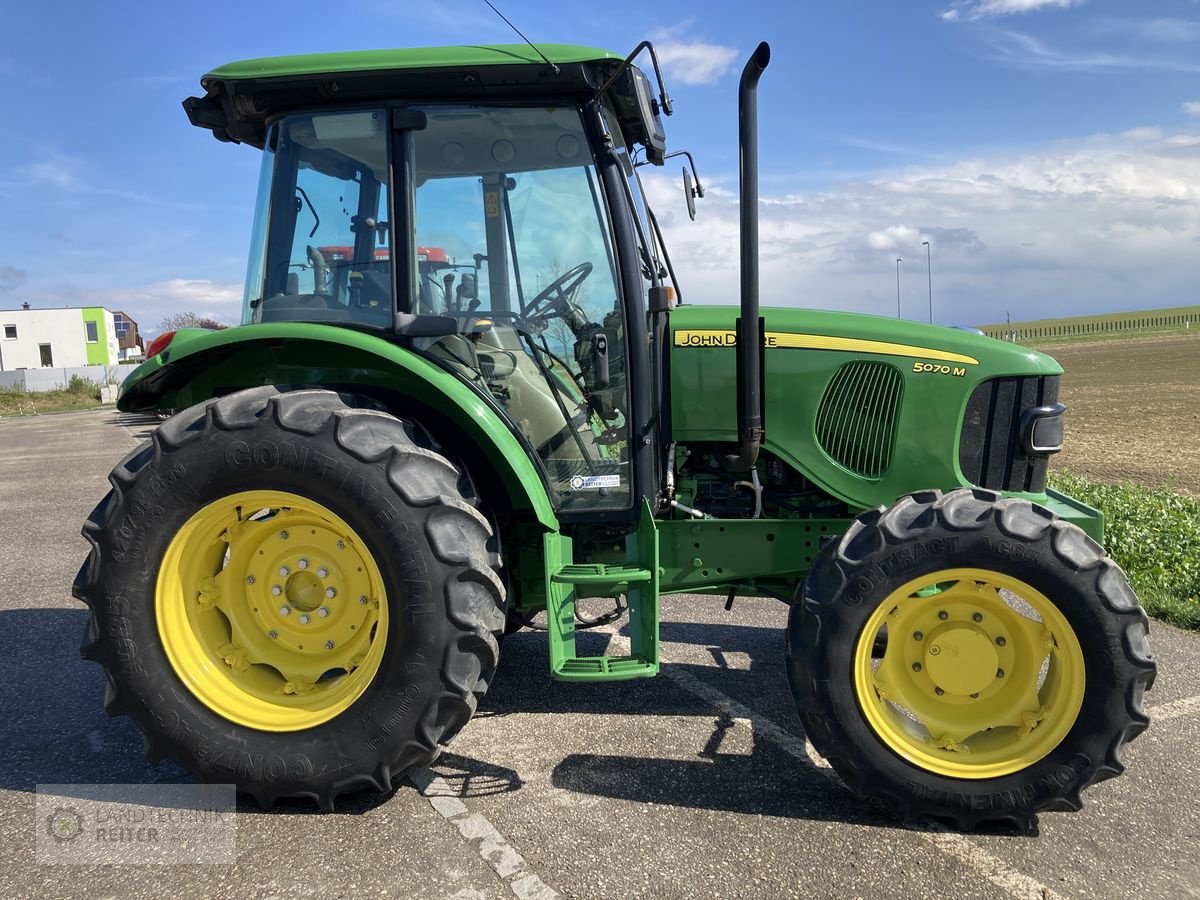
(1154,535)
(80,393)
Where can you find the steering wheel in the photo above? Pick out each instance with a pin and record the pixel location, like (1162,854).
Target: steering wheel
(556,296)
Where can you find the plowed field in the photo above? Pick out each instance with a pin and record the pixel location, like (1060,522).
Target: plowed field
(1133,411)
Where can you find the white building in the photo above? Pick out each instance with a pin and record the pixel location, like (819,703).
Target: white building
(57,338)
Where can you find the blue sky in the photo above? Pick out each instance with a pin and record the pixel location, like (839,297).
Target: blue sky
(1049,150)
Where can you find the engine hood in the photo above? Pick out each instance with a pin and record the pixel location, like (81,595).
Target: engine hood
(867,407)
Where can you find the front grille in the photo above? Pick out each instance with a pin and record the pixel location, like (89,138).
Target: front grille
(990,451)
(856,421)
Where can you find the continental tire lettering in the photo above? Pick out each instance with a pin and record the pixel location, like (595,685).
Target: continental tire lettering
(1017,799)
(384,514)
(1014,550)
(266,455)
(405,705)
(293,456)
(903,560)
(237,455)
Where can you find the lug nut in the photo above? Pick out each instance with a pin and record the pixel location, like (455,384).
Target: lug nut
(276,590)
(284,571)
(323,572)
(999,673)
(1000,641)
(943,615)
(974,696)
(363,599)
(938,691)
(918,636)
(341,545)
(304,620)
(323,612)
(329,645)
(330,593)
(249,579)
(272,634)
(302,564)
(916,667)
(283,535)
(285,610)
(978,617)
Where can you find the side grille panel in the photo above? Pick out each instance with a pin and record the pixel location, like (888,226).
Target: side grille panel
(856,421)
(990,453)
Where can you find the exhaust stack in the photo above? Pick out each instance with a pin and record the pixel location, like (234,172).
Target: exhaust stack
(749,324)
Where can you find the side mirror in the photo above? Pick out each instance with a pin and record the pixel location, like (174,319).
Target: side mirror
(689,194)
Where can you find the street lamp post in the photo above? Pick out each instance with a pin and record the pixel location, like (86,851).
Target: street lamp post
(899,259)
(929,272)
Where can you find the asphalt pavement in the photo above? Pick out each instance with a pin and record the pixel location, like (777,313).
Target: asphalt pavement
(697,783)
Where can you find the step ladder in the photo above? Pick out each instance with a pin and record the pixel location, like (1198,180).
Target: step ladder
(637,578)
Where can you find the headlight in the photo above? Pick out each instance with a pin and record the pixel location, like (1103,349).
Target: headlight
(1042,429)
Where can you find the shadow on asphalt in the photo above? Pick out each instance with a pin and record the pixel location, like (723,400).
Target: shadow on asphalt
(765,781)
(55,731)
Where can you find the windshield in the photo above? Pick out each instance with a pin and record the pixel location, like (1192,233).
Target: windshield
(511,237)
(320,251)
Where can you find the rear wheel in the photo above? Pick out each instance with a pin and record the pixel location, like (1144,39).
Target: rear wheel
(292,593)
(968,657)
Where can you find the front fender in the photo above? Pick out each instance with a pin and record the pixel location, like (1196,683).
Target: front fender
(198,365)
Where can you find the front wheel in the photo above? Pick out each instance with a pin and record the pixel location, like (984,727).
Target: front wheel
(968,657)
(292,592)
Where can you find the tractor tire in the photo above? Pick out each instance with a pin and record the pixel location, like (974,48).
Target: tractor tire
(968,658)
(254,526)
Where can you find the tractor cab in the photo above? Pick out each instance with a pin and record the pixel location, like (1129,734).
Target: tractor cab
(505,240)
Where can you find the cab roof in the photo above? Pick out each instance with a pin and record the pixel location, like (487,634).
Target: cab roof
(241,96)
(410,58)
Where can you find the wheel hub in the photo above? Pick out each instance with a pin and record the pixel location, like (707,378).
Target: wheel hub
(304,591)
(272,610)
(980,673)
(961,660)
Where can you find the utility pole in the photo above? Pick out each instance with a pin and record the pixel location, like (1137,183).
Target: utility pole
(899,260)
(929,273)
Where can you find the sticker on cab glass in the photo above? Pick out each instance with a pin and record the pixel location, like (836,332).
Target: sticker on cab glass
(591,482)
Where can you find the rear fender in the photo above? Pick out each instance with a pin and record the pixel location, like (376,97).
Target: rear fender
(198,365)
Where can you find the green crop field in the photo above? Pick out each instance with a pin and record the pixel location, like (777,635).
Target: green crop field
(1133,451)
(1163,322)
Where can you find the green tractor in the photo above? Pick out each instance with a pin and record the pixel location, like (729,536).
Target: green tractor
(464,392)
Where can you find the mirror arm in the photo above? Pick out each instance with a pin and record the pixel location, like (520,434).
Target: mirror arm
(698,192)
(664,99)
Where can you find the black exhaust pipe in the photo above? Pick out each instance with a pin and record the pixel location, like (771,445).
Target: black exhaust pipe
(749,324)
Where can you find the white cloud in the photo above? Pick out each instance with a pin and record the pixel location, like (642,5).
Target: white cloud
(60,172)
(148,304)
(1108,223)
(894,237)
(1163,30)
(1025,51)
(1192,108)
(692,62)
(1143,133)
(979,9)
(217,300)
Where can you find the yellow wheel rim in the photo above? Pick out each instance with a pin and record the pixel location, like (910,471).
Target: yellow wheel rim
(271,610)
(969,673)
